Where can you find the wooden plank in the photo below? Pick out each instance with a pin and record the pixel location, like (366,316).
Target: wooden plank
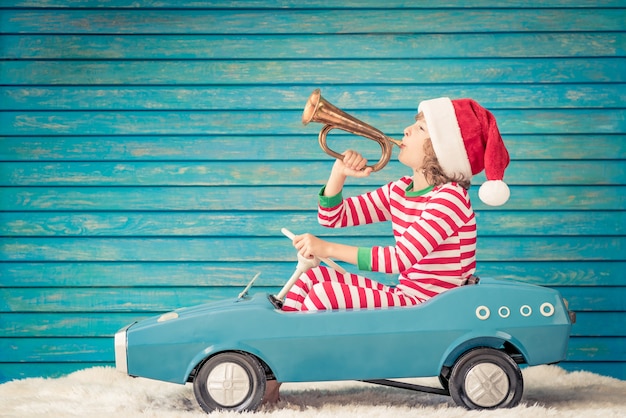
(249,173)
(56,350)
(351,98)
(160,299)
(599,324)
(276,249)
(310,4)
(243,72)
(386,46)
(597,349)
(322,21)
(555,273)
(135,300)
(595,299)
(275,148)
(301,197)
(105,324)
(237,273)
(259,224)
(531,121)
(190,198)
(162,274)
(67,325)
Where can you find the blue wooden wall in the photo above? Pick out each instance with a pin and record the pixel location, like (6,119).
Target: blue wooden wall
(151,153)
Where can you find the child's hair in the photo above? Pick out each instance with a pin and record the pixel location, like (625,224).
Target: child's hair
(432,170)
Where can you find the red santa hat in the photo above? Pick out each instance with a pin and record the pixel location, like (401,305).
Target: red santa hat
(467,141)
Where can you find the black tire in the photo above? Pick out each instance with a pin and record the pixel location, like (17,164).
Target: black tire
(486,378)
(230,382)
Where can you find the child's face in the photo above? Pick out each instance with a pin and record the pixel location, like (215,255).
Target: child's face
(412,150)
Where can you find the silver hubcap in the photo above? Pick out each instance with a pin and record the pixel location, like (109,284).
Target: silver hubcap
(486,385)
(228,384)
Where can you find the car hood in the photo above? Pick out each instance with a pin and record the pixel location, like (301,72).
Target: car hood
(207,310)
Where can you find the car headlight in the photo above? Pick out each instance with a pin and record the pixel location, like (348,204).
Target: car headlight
(167,316)
(121,344)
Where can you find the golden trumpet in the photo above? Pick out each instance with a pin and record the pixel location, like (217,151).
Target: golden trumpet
(318,109)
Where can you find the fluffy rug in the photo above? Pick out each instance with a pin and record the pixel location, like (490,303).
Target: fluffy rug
(103,392)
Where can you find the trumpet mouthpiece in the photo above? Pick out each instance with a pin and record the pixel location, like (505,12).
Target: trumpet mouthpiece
(395,142)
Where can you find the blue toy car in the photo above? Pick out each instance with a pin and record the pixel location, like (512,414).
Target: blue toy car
(473,338)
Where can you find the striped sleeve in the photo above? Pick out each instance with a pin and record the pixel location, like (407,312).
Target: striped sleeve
(338,212)
(444,215)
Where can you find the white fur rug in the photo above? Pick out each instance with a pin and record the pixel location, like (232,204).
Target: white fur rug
(103,392)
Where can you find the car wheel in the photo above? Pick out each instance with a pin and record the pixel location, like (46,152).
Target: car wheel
(231,382)
(486,378)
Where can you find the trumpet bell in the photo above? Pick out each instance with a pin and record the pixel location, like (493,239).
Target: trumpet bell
(317,109)
(310,109)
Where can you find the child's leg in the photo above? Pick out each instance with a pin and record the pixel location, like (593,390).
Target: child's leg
(334,295)
(298,292)
(323,288)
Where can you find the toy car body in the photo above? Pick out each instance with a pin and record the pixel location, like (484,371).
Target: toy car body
(472,337)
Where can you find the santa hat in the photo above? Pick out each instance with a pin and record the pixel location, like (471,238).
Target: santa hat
(467,141)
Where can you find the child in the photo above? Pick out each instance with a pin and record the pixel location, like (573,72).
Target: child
(432,218)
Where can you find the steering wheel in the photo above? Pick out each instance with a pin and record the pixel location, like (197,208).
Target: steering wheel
(304,265)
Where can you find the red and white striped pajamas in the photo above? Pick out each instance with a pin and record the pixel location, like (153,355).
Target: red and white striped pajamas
(434,251)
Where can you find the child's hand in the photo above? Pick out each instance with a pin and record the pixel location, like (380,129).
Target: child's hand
(353,165)
(310,246)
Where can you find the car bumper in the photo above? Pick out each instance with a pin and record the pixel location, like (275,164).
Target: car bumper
(121,346)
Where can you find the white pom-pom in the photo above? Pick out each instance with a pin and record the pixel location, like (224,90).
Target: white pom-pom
(494,192)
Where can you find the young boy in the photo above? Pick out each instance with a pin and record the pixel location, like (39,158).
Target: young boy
(432,218)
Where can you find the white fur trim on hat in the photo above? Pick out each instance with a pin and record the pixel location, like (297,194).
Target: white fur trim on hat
(445,135)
